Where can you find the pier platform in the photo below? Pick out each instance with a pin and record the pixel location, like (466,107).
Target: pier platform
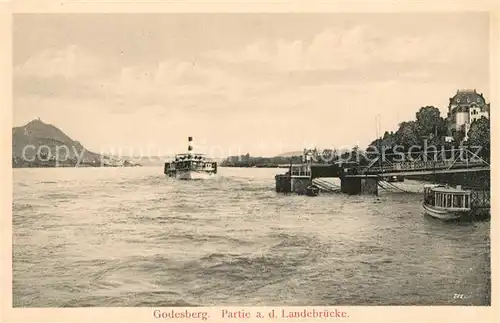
(296,180)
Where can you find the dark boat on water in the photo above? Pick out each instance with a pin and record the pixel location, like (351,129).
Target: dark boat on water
(448,203)
(312,190)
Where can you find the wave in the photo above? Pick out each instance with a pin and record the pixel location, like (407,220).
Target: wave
(60,196)
(200,238)
(22,207)
(132,299)
(150,241)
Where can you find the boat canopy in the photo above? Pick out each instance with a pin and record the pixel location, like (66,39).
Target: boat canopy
(187,154)
(450,190)
(192,157)
(448,197)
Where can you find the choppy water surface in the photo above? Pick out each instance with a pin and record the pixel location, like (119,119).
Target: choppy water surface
(131,237)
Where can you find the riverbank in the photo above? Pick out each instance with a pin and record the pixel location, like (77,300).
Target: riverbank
(68,163)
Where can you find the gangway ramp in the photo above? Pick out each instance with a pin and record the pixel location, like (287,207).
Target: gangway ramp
(325,185)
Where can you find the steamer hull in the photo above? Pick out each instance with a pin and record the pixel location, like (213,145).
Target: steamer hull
(194,175)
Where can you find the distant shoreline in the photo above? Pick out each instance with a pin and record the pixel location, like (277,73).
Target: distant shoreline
(254,166)
(64,164)
(72,166)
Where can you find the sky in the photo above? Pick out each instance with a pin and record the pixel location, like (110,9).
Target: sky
(263,84)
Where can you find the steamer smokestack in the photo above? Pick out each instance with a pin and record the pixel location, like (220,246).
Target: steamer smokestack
(190,144)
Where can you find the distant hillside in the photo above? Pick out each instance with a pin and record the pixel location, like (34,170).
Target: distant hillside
(148,160)
(291,154)
(249,161)
(158,160)
(38,144)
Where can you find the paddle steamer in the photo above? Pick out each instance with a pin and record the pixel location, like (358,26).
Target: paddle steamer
(191,165)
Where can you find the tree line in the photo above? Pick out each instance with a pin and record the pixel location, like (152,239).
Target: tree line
(428,129)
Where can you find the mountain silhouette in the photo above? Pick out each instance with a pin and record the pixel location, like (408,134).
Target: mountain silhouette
(37,140)
(291,154)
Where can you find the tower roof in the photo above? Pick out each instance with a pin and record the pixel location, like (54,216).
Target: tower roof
(467,97)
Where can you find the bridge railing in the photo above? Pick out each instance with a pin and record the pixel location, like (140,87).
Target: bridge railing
(300,170)
(421,165)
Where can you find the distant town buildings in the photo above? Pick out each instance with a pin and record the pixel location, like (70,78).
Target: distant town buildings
(464,108)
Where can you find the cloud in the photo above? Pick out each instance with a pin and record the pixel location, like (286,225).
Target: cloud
(328,78)
(353,48)
(328,49)
(69,62)
(174,84)
(71,72)
(355,55)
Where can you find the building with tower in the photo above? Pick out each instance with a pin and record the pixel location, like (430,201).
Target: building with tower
(465,107)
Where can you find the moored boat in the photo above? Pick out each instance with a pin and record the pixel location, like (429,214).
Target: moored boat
(191,165)
(312,190)
(446,203)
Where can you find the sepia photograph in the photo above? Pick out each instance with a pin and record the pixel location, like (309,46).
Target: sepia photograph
(179,161)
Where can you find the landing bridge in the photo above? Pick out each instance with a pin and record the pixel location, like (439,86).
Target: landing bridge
(363,179)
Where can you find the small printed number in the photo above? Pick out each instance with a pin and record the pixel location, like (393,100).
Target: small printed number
(459,296)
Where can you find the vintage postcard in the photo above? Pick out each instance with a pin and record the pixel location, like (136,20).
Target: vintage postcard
(217,162)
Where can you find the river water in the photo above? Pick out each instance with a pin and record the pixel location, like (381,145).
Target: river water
(131,237)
